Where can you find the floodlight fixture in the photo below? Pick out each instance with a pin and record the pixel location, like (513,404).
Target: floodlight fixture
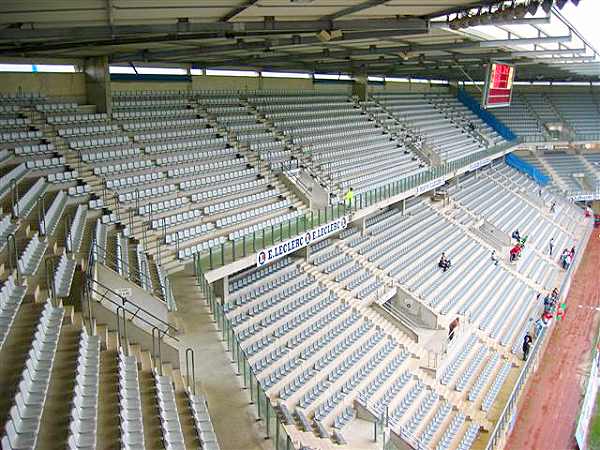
(547,6)
(532,7)
(520,11)
(561,3)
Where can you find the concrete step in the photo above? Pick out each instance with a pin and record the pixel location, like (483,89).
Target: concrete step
(108,427)
(54,428)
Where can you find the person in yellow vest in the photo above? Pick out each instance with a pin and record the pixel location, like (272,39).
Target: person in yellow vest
(349,197)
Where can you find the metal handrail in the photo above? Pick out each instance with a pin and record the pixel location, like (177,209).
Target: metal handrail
(50,267)
(14,197)
(166,328)
(189,357)
(137,275)
(150,319)
(11,238)
(41,216)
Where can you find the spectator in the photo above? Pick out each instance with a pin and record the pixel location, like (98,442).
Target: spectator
(349,197)
(516,235)
(526,345)
(551,245)
(568,261)
(563,258)
(515,252)
(539,192)
(573,252)
(444,262)
(452,327)
(588,212)
(494,257)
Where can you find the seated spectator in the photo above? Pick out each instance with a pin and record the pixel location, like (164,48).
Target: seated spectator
(444,263)
(494,257)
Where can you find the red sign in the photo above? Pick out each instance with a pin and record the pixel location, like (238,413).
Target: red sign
(498,88)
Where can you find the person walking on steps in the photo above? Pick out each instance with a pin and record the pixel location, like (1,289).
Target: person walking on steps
(553,207)
(526,345)
(551,245)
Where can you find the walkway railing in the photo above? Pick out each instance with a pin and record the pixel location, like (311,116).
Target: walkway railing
(503,427)
(231,251)
(529,169)
(275,428)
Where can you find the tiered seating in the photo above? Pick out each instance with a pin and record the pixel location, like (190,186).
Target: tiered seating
(580,111)
(408,248)
(11,296)
(27,202)
(84,413)
(26,414)
(442,133)
(342,144)
(519,118)
(132,430)
(32,256)
(317,355)
(195,166)
(202,422)
(63,276)
(53,214)
(449,104)
(572,171)
(542,107)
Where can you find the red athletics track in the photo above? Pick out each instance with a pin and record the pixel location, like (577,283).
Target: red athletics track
(549,412)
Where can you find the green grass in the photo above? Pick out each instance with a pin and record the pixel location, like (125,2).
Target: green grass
(594,434)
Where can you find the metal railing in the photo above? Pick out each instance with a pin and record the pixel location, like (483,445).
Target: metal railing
(127,311)
(275,428)
(503,425)
(113,261)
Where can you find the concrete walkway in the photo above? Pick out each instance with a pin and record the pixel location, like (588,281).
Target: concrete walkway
(234,419)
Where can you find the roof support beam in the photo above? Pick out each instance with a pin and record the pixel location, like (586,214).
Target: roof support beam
(525,41)
(356,8)
(272,43)
(231,28)
(234,12)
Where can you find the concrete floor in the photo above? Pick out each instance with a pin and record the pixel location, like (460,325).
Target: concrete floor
(233,417)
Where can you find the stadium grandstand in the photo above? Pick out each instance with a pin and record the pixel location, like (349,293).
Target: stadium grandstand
(287,224)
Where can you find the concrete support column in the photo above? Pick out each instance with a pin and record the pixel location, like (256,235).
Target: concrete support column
(596,206)
(363,226)
(97,83)
(360,87)
(222,289)
(403,205)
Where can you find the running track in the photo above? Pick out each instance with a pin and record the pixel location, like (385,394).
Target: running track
(548,415)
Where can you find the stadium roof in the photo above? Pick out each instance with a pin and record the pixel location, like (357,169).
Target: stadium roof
(416,38)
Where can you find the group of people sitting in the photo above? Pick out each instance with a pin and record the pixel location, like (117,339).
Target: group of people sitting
(444,263)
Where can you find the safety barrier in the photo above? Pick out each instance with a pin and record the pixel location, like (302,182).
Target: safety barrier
(528,169)
(484,115)
(275,428)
